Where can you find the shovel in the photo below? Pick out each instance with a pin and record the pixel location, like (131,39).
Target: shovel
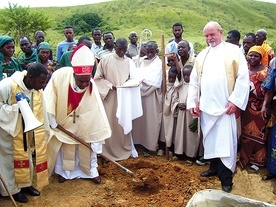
(134,178)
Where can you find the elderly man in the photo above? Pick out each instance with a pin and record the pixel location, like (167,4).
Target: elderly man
(216,92)
(74,106)
(132,49)
(261,36)
(16,166)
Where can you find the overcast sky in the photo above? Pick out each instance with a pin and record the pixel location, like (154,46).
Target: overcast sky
(48,3)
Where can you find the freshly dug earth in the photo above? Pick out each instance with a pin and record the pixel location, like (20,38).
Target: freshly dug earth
(161,183)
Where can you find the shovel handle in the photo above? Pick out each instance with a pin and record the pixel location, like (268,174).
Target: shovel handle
(73,136)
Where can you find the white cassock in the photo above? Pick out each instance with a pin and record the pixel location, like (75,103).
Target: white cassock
(219,129)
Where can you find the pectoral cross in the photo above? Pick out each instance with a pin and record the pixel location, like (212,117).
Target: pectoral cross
(74,116)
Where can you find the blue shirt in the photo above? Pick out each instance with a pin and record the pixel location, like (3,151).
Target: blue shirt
(63,47)
(269,81)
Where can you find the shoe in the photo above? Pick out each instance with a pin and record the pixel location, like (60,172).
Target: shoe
(201,161)
(268,176)
(170,154)
(227,188)
(20,197)
(61,179)
(31,191)
(160,152)
(208,173)
(97,180)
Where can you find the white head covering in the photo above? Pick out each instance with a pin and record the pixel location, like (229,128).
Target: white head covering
(82,60)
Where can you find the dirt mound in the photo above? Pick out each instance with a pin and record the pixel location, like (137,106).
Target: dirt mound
(162,183)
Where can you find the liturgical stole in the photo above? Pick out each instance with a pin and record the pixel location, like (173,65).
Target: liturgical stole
(22,168)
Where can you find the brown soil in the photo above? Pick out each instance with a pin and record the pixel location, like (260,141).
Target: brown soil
(158,182)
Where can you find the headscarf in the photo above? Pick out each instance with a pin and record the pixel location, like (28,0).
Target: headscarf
(3,40)
(257,49)
(43,45)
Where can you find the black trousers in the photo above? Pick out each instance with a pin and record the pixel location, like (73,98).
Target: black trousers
(224,174)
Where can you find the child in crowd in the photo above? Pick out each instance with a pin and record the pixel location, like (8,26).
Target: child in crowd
(167,130)
(186,142)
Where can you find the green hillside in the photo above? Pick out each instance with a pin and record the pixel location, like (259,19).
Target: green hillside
(123,16)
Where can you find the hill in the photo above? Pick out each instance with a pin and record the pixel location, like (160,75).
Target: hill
(123,16)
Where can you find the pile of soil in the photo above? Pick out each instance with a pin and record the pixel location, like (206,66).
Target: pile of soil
(158,182)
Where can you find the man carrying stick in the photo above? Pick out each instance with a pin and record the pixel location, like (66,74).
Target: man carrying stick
(73,103)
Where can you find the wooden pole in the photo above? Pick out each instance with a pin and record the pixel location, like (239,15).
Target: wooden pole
(164,86)
(274,187)
(7,189)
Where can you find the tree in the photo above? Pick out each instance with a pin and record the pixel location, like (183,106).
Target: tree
(84,23)
(17,21)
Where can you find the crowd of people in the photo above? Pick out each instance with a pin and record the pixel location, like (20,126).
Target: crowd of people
(216,107)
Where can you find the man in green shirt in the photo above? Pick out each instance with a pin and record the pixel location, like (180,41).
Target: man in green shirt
(30,54)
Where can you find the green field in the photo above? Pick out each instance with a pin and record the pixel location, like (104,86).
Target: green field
(123,16)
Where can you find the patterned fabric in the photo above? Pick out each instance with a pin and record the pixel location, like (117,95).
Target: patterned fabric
(269,83)
(253,142)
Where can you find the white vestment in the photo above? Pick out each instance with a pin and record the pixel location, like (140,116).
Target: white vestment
(91,125)
(219,129)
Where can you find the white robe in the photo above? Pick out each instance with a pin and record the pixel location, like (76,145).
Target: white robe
(150,72)
(10,122)
(219,129)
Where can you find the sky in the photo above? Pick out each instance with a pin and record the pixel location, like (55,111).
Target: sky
(47,3)
(271,1)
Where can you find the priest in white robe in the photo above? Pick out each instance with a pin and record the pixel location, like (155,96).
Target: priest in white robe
(219,87)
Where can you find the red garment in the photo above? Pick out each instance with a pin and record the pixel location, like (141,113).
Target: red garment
(253,141)
(73,100)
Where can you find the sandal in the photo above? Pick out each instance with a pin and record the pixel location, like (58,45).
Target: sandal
(146,154)
(188,162)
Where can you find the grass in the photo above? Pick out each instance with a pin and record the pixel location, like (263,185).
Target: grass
(123,16)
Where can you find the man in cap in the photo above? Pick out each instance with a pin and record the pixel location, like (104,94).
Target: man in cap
(74,106)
